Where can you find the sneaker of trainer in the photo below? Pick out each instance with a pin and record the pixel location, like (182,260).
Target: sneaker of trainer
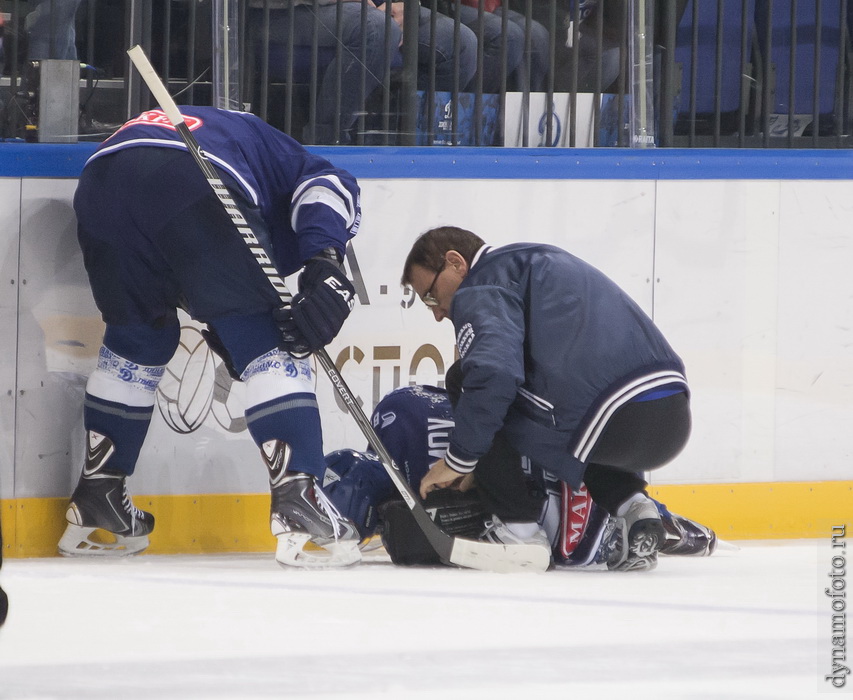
(311,533)
(634,537)
(499,532)
(102,520)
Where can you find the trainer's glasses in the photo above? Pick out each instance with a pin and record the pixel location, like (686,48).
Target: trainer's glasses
(428,298)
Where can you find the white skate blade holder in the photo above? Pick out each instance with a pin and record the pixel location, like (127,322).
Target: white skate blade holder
(79,541)
(296,550)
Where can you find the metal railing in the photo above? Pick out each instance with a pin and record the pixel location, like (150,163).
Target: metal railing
(695,73)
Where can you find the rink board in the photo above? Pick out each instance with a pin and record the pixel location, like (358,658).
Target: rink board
(745,268)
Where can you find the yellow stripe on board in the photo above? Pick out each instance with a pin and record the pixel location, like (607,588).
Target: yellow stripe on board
(762,511)
(183,524)
(240,523)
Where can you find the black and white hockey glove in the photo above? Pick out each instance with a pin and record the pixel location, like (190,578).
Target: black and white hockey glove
(457,513)
(323,303)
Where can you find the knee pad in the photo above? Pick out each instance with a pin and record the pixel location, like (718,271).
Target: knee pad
(144,344)
(246,337)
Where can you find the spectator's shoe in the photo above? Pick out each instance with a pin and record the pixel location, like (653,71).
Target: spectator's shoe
(633,538)
(102,520)
(686,537)
(310,531)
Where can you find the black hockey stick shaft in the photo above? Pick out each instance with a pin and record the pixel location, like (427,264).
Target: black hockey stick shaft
(440,540)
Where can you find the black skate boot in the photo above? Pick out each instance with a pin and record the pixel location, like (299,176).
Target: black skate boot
(685,537)
(309,529)
(632,541)
(102,520)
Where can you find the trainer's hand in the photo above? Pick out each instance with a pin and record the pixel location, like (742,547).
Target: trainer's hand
(440,476)
(325,299)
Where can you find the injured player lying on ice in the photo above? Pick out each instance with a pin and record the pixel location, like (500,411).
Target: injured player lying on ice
(414,424)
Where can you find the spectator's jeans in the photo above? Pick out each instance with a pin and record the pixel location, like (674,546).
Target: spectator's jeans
(492,45)
(50,27)
(540,51)
(443,44)
(345,95)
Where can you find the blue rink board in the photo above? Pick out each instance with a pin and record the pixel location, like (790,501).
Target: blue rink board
(446,163)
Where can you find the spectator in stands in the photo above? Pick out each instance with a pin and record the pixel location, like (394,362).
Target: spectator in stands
(517,62)
(345,97)
(51,29)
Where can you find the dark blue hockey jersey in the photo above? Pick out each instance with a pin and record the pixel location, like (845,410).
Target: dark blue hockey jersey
(550,349)
(414,424)
(306,203)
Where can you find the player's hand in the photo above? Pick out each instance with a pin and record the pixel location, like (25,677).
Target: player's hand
(440,476)
(325,299)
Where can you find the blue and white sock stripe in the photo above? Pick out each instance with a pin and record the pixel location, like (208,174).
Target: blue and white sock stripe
(324,189)
(116,409)
(463,466)
(618,399)
(285,403)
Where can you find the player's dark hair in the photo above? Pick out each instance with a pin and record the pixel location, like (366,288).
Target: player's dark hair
(430,248)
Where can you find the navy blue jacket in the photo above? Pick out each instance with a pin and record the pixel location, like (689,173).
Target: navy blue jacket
(550,349)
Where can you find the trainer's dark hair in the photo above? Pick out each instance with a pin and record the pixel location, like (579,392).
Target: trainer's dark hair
(430,248)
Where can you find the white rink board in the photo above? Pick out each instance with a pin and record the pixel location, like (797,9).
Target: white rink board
(10,195)
(749,280)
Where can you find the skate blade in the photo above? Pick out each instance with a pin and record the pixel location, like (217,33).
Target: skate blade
(78,541)
(296,550)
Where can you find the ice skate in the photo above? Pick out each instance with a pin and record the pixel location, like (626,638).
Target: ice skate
(311,533)
(633,539)
(102,520)
(686,537)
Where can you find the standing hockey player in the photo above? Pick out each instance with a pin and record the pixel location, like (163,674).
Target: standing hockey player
(558,362)
(155,238)
(414,423)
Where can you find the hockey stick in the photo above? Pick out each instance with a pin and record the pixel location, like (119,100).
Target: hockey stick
(467,553)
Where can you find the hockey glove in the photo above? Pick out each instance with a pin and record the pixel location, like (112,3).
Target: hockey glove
(458,514)
(323,303)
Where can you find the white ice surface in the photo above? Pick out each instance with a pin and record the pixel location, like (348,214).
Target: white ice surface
(751,623)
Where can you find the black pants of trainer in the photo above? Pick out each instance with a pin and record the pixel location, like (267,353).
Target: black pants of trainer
(639,437)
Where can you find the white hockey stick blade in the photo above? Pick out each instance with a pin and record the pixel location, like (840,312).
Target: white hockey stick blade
(502,559)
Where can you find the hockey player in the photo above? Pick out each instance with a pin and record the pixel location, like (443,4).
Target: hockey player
(414,424)
(155,238)
(562,365)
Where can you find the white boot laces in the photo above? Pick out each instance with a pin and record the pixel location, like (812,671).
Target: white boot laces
(329,509)
(131,509)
